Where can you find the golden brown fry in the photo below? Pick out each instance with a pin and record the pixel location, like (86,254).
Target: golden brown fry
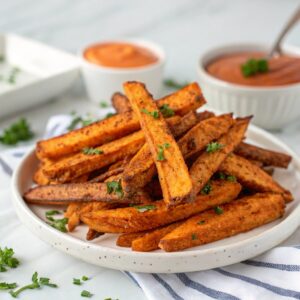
(39,177)
(115,127)
(126,239)
(208,162)
(92,234)
(120,103)
(238,216)
(150,240)
(173,174)
(251,176)
(267,157)
(77,192)
(203,115)
(133,219)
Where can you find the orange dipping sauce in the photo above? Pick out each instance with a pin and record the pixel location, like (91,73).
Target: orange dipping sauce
(120,55)
(283,70)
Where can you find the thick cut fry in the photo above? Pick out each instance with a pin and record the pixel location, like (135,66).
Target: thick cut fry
(252,177)
(150,240)
(115,127)
(208,162)
(238,216)
(77,192)
(126,239)
(267,157)
(173,174)
(205,115)
(39,177)
(92,234)
(135,219)
(141,168)
(120,103)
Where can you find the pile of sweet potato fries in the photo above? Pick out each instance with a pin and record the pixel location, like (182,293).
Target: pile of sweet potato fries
(160,174)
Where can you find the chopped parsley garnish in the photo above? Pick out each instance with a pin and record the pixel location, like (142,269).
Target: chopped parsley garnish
(254,66)
(221,175)
(84,278)
(7,286)
(171,83)
(91,151)
(7,260)
(86,294)
(143,208)
(17,132)
(76,281)
(52,213)
(36,283)
(153,114)
(194,236)
(77,120)
(201,222)
(218,210)
(213,147)
(115,187)
(59,224)
(160,153)
(231,178)
(103,104)
(166,111)
(206,189)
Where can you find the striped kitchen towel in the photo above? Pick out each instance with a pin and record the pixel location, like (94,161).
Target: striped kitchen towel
(273,275)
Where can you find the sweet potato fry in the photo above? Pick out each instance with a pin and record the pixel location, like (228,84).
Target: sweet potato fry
(115,127)
(208,162)
(251,176)
(150,240)
(120,103)
(126,239)
(203,115)
(141,168)
(92,234)
(267,157)
(238,216)
(173,174)
(140,218)
(39,177)
(77,192)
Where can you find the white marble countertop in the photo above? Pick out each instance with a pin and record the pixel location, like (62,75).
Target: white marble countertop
(183,28)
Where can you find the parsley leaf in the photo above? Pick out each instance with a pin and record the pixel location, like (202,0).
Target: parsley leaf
(59,224)
(84,278)
(213,147)
(115,187)
(143,208)
(86,294)
(231,178)
(160,153)
(7,259)
(194,236)
(171,83)
(103,104)
(17,132)
(153,114)
(52,213)
(166,111)
(218,210)
(206,189)
(91,151)
(76,281)
(7,286)
(254,66)
(77,120)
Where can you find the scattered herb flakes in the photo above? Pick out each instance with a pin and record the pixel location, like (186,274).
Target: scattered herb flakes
(7,286)
(166,111)
(153,114)
(87,122)
(206,189)
(218,210)
(91,151)
(194,236)
(59,224)
(221,175)
(115,187)
(78,121)
(7,260)
(17,132)
(143,208)
(52,213)
(36,283)
(201,222)
(160,152)
(171,83)
(254,66)
(75,121)
(84,278)
(213,147)
(103,104)
(231,178)
(86,294)
(76,281)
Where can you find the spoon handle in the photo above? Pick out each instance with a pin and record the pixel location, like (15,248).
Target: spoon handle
(292,21)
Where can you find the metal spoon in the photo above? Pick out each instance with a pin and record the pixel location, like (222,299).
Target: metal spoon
(276,49)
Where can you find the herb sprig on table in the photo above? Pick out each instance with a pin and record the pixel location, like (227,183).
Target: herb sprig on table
(59,224)
(7,259)
(254,66)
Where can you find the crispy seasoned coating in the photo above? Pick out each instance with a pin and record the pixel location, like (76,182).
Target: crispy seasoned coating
(149,241)
(208,162)
(252,177)
(265,156)
(126,239)
(131,219)
(238,216)
(104,131)
(77,192)
(104,176)
(120,103)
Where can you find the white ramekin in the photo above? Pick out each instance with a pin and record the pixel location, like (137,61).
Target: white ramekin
(101,82)
(272,107)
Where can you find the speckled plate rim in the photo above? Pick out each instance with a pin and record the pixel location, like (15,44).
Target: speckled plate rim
(160,262)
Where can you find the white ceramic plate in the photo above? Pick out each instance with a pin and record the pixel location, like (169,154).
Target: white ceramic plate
(44,73)
(103,251)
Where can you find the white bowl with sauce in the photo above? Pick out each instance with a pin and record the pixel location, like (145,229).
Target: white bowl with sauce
(273,107)
(105,77)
